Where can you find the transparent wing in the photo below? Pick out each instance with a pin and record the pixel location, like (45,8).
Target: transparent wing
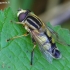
(44,45)
(46,53)
(56,36)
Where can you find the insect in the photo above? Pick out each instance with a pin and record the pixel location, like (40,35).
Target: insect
(40,33)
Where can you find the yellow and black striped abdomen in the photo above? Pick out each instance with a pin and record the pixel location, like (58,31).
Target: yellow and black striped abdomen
(46,44)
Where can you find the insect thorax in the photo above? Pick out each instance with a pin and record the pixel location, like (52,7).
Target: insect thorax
(33,22)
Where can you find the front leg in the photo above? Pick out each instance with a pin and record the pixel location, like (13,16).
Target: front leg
(17,22)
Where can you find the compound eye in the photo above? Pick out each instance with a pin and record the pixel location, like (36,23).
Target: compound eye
(21,17)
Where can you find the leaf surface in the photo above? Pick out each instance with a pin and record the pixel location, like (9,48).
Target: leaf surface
(16,54)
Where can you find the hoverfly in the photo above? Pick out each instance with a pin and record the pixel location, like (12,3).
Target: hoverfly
(40,33)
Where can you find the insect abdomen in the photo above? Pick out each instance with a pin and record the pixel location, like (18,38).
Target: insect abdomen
(47,45)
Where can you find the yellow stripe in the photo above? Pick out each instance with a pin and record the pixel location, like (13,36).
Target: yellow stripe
(53,41)
(48,33)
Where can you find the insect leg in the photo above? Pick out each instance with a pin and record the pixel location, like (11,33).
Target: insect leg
(16,22)
(26,34)
(32,53)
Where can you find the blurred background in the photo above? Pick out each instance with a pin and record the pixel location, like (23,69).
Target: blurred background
(54,11)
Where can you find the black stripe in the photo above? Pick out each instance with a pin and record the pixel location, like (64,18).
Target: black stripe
(35,20)
(48,37)
(33,24)
(52,44)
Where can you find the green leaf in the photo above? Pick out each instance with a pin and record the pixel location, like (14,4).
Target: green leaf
(16,54)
